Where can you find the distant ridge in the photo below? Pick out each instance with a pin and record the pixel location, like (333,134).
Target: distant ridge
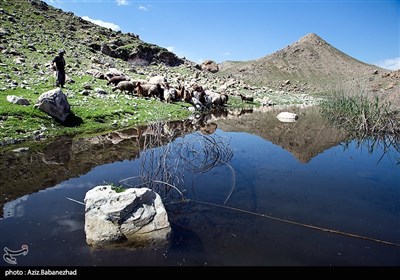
(309,64)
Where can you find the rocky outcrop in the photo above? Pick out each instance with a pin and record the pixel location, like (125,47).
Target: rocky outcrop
(54,103)
(210,66)
(147,54)
(134,217)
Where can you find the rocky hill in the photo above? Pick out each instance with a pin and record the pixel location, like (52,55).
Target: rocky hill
(313,65)
(42,29)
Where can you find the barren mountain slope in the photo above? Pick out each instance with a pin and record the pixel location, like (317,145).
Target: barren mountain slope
(313,65)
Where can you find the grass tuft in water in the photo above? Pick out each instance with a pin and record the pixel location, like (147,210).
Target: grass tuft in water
(360,114)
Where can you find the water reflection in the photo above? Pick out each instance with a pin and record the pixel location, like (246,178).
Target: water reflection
(387,145)
(310,135)
(38,168)
(168,163)
(52,162)
(49,164)
(252,166)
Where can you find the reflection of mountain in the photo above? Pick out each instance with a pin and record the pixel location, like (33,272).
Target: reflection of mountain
(305,139)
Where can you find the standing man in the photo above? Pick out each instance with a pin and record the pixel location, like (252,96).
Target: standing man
(59,63)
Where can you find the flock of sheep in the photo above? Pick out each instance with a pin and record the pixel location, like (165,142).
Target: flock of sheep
(158,87)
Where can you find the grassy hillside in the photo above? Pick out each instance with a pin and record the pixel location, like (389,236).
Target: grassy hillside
(31,34)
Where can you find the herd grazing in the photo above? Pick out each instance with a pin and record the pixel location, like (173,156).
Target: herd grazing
(159,88)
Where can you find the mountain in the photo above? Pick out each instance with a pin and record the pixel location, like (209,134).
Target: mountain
(312,64)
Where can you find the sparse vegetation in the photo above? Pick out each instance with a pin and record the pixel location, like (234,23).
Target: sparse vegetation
(167,161)
(362,114)
(118,188)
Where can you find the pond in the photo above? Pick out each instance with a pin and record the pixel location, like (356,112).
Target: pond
(259,192)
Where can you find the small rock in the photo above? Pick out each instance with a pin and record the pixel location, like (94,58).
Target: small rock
(287,117)
(20,150)
(31,47)
(18,100)
(100,91)
(87,86)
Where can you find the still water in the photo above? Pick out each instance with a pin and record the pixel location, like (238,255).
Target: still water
(264,195)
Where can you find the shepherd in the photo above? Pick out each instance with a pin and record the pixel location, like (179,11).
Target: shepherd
(59,64)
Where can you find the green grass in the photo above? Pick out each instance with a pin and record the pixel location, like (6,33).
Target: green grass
(99,113)
(118,189)
(357,113)
(235,102)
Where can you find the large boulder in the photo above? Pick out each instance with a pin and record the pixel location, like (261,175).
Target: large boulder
(210,66)
(54,103)
(134,217)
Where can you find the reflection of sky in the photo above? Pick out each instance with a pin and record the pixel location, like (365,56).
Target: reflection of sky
(66,223)
(15,208)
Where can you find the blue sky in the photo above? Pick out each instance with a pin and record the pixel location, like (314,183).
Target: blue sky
(243,30)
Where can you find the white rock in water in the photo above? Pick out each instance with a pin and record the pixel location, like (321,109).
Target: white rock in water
(136,216)
(287,117)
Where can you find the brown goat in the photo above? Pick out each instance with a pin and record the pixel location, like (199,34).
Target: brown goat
(149,90)
(180,93)
(246,98)
(125,86)
(116,79)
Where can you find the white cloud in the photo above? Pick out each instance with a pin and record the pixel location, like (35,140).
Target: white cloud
(103,23)
(55,2)
(390,63)
(143,8)
(170,48)
(122,2)
(227,53)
